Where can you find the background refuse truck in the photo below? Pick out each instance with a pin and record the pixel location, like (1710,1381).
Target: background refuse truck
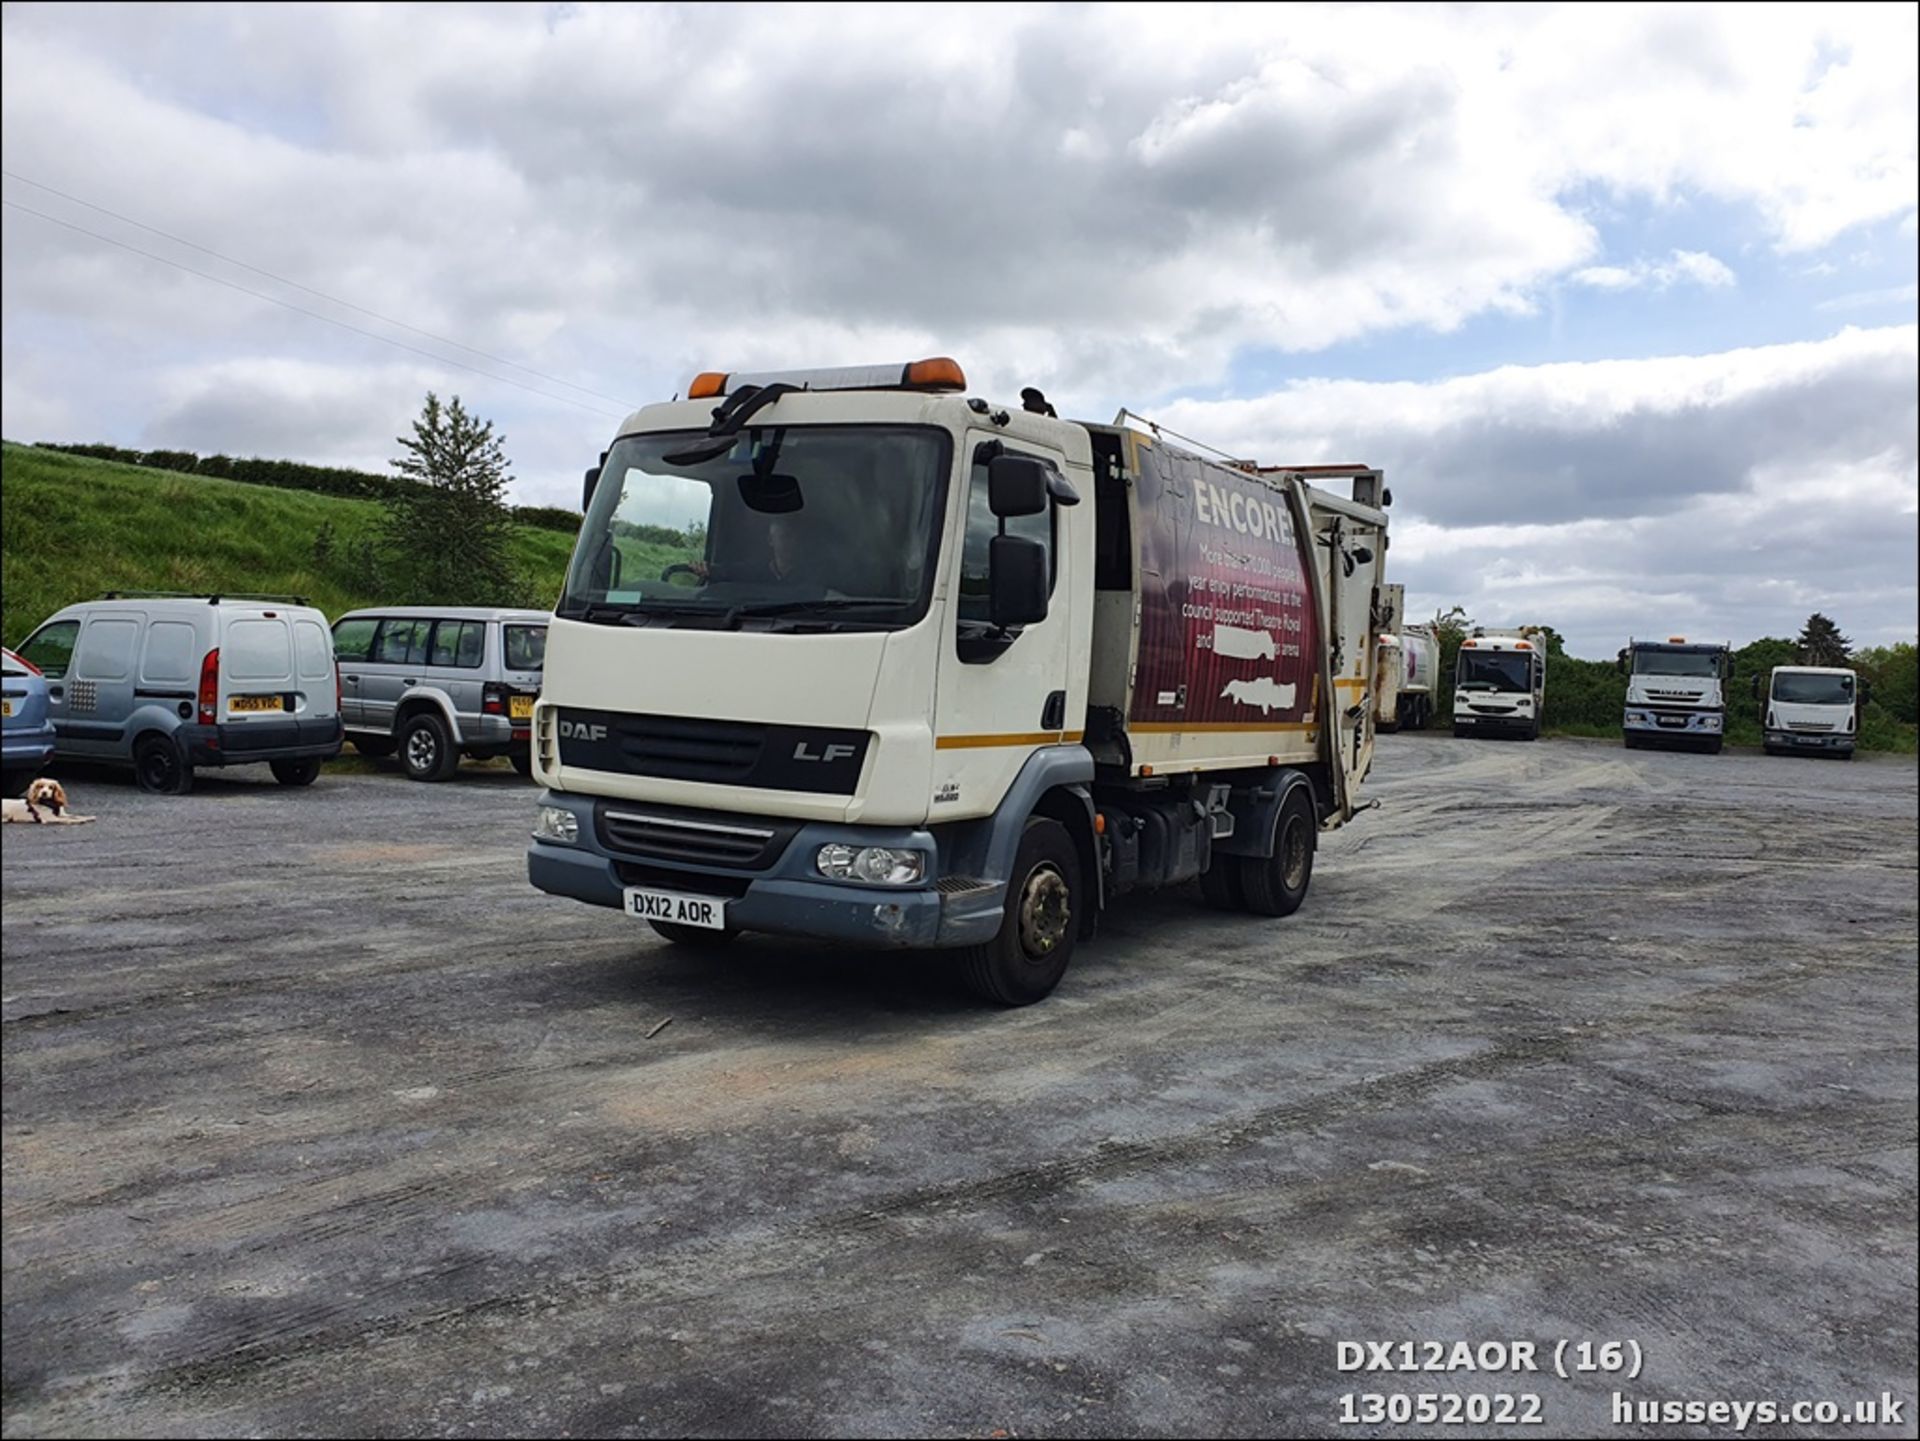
(1409,663)
(1500,683)
(947,674)
(1676,693)
(1811,708)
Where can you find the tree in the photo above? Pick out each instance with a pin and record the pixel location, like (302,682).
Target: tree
(1822,644)
(449,535)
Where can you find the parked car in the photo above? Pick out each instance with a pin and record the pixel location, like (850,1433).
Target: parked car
(167,683)
(438,682)
(28,744)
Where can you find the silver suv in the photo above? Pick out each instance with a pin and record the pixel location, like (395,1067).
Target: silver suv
(437,682)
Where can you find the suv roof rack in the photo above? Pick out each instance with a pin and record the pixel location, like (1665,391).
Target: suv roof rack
(202,595)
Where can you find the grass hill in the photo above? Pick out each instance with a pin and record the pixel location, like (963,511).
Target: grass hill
(72,527)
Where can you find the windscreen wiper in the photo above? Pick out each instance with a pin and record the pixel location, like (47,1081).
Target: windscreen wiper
(792,607)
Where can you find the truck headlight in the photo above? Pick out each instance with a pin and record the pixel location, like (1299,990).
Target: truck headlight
(876,865)
(1711,722)
(556,823)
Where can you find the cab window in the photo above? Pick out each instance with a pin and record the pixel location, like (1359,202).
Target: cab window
(982,526)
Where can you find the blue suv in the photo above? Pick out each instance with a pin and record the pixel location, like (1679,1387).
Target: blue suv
(28,730)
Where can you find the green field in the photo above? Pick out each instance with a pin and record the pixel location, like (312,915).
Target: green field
(73,527)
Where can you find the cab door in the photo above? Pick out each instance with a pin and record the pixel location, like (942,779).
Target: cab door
(1001,695)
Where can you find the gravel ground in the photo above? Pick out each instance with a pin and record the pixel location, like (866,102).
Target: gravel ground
(319,1120)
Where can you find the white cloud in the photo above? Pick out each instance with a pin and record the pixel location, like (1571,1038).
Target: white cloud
(1863,299)
(1694,267)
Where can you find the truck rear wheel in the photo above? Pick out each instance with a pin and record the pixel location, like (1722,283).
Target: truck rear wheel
(1026,960)
(1275,885)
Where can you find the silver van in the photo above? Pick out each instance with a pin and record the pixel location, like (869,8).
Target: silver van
(168,683)
(439,682)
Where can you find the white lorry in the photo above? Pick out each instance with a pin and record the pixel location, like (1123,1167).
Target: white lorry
(1500,683)
(1676,693)
(1811,708)
(946,674)
(1409,663)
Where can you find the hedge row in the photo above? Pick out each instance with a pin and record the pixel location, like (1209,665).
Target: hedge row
(293,475)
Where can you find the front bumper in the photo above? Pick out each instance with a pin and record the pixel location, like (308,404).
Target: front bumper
(240,745)
(1811,740)
(1695,725)
(1504,721)
(787,898)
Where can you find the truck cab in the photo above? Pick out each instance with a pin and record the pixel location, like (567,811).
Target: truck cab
(943,673)
(1500,683)
(1676,693)
(1811,708)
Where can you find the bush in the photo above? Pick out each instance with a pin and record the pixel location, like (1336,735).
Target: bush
(550,517)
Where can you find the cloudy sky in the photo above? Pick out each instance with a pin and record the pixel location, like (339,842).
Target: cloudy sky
(1623,299)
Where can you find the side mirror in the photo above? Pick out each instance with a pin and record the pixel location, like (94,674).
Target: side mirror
(1016,485)
(1866,693)
(1753,685)
(586,491)
(1620,664)
(1017,581)
(614,566)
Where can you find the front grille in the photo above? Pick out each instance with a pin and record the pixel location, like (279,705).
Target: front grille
(960,885)
(821,760)
(692,838)
(1810,725)
(721,752)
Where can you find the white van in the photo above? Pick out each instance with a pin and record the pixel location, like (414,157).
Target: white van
(166,683)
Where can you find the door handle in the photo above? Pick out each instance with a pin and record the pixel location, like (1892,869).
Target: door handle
(56,691)
(409,681)
(351,679)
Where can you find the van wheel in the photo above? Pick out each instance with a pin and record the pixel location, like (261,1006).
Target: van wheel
(302,772)
(1276,884)
(16,784)
(1220,884)
(426,749)
(523,762)
(1026,960)
(374,747)
(694,938)
(158,768)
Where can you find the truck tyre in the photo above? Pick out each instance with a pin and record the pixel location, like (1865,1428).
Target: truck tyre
(426,750)
(374,747)
(301,772)
(17,782)
(159,769)
(1220,884)
(1633,741)
(694,938)
(1275,885)
(1025,961)
(522,761)
(1714,745)
(1459,732)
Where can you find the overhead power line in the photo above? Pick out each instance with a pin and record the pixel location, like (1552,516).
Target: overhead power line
(330,320)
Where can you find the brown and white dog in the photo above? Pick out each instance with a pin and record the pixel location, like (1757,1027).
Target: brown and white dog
(45,805)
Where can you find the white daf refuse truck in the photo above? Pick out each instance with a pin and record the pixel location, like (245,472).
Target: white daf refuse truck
(1811,708)
(946,674)
(1676,693)
(1500,683)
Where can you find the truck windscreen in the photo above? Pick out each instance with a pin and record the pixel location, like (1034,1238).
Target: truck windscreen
(1801,689)
(1704,664)
(1495,670)
(827,523)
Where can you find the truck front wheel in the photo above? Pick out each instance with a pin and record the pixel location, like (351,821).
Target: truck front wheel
(1025,961)
(1275,885)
